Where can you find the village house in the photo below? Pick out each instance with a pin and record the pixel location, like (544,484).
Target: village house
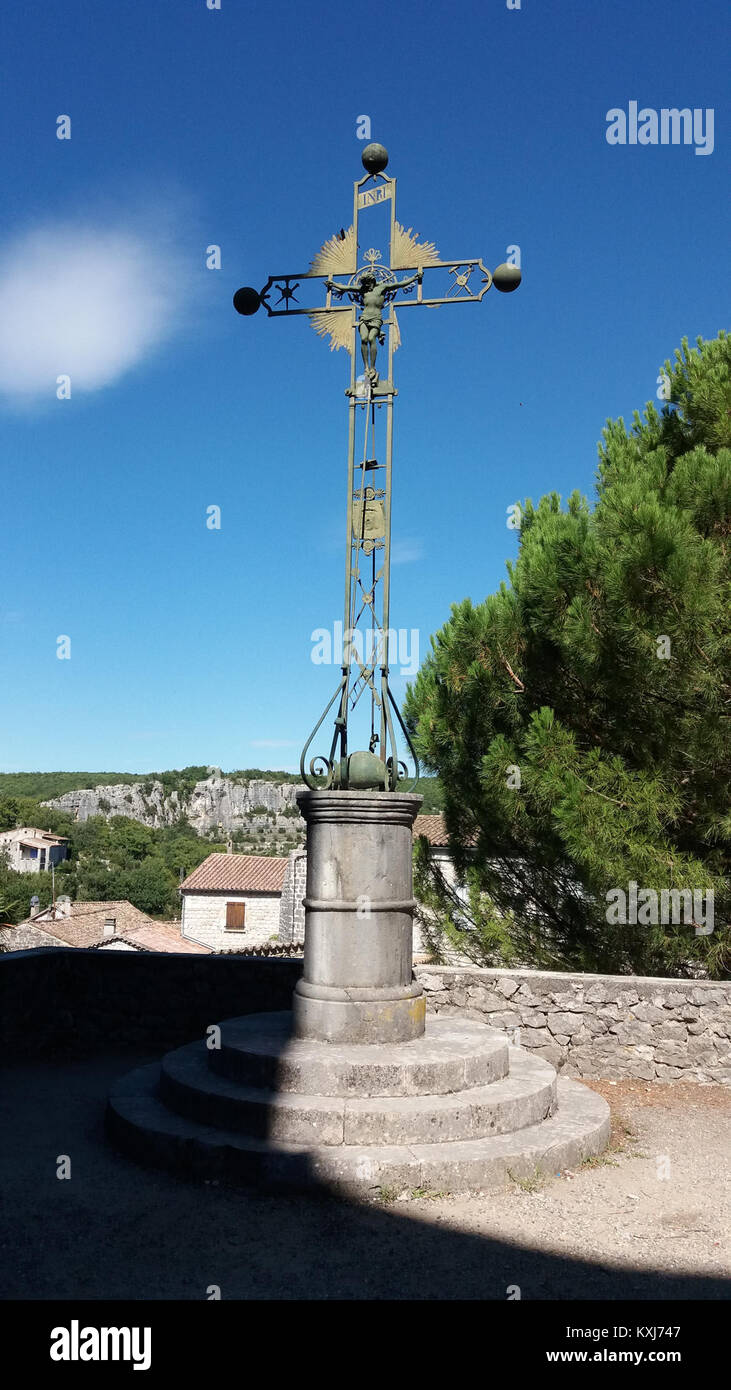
(271,893)
(233,901)
(114,926)
(30,851)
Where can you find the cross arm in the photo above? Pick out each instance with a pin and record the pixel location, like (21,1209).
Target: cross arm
(470,280)
(464,282)
(248,300)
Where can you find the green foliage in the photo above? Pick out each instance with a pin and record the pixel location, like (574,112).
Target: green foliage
(183,780)
(23,810)
(44,786)
(623,754)
(470,922)
(255,774)
(109,859)
(9,813)
(430,790)
(7,908)
(17,889)
(120,858)
(149,887)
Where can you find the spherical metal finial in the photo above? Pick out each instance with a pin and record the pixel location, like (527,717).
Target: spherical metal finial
(375,158)
(246,300)
(506,278)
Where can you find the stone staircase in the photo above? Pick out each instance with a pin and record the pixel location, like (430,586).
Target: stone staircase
(455,1110)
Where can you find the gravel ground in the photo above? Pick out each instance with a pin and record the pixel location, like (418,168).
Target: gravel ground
(651,1221)
(660,1199)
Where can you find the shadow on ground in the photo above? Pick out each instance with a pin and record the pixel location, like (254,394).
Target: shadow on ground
(119,1231)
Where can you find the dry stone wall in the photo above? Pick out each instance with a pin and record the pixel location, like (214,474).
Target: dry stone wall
(587,1025)
(609,1026)
(73,1002)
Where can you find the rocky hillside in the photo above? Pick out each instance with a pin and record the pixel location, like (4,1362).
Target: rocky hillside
(217,803)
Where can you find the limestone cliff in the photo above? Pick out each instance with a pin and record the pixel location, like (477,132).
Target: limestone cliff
(215,802)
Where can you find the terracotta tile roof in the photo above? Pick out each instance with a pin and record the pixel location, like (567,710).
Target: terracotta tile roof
(85,929)
(85,926)
(165,936)
(156,936)
(434,829)
(237,873)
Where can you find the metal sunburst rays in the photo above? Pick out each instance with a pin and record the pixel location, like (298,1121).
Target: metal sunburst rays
(408,251)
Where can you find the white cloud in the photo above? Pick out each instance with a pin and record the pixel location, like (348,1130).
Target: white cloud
(85,301)
(406,551)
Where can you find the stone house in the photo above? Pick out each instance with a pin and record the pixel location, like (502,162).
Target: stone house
(232,901)
(29,850)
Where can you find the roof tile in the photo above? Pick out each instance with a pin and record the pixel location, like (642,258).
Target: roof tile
(165,936)
(85,926)
(433,828)
(237,873)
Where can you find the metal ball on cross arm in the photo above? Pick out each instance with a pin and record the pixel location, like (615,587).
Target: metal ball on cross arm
(246,300)
(506,278)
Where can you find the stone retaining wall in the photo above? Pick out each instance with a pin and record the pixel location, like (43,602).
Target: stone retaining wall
(55,1002)
(76,1002)
(598,1025)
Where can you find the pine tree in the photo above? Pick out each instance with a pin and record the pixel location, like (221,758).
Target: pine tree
(580,718)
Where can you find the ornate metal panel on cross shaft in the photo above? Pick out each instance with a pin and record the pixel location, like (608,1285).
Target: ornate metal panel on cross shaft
(359,314)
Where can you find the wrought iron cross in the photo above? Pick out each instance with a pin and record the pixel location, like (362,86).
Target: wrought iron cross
(358,310)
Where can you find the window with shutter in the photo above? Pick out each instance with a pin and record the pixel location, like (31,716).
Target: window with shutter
(235,916)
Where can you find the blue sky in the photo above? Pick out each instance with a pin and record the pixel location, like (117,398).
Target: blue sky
(237,127)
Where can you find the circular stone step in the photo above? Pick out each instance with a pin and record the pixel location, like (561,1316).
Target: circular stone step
(142,1126)
(454,1054)
(191,1088)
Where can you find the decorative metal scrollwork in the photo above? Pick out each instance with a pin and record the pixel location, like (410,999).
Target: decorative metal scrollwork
(327,771)
(328,762)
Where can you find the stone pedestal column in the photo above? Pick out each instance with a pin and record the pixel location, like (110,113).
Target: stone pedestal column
(357,985)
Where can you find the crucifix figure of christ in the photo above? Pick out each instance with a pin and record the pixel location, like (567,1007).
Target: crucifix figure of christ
(367,642)
(372,295)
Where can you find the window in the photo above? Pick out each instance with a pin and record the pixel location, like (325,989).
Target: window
(235,916)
